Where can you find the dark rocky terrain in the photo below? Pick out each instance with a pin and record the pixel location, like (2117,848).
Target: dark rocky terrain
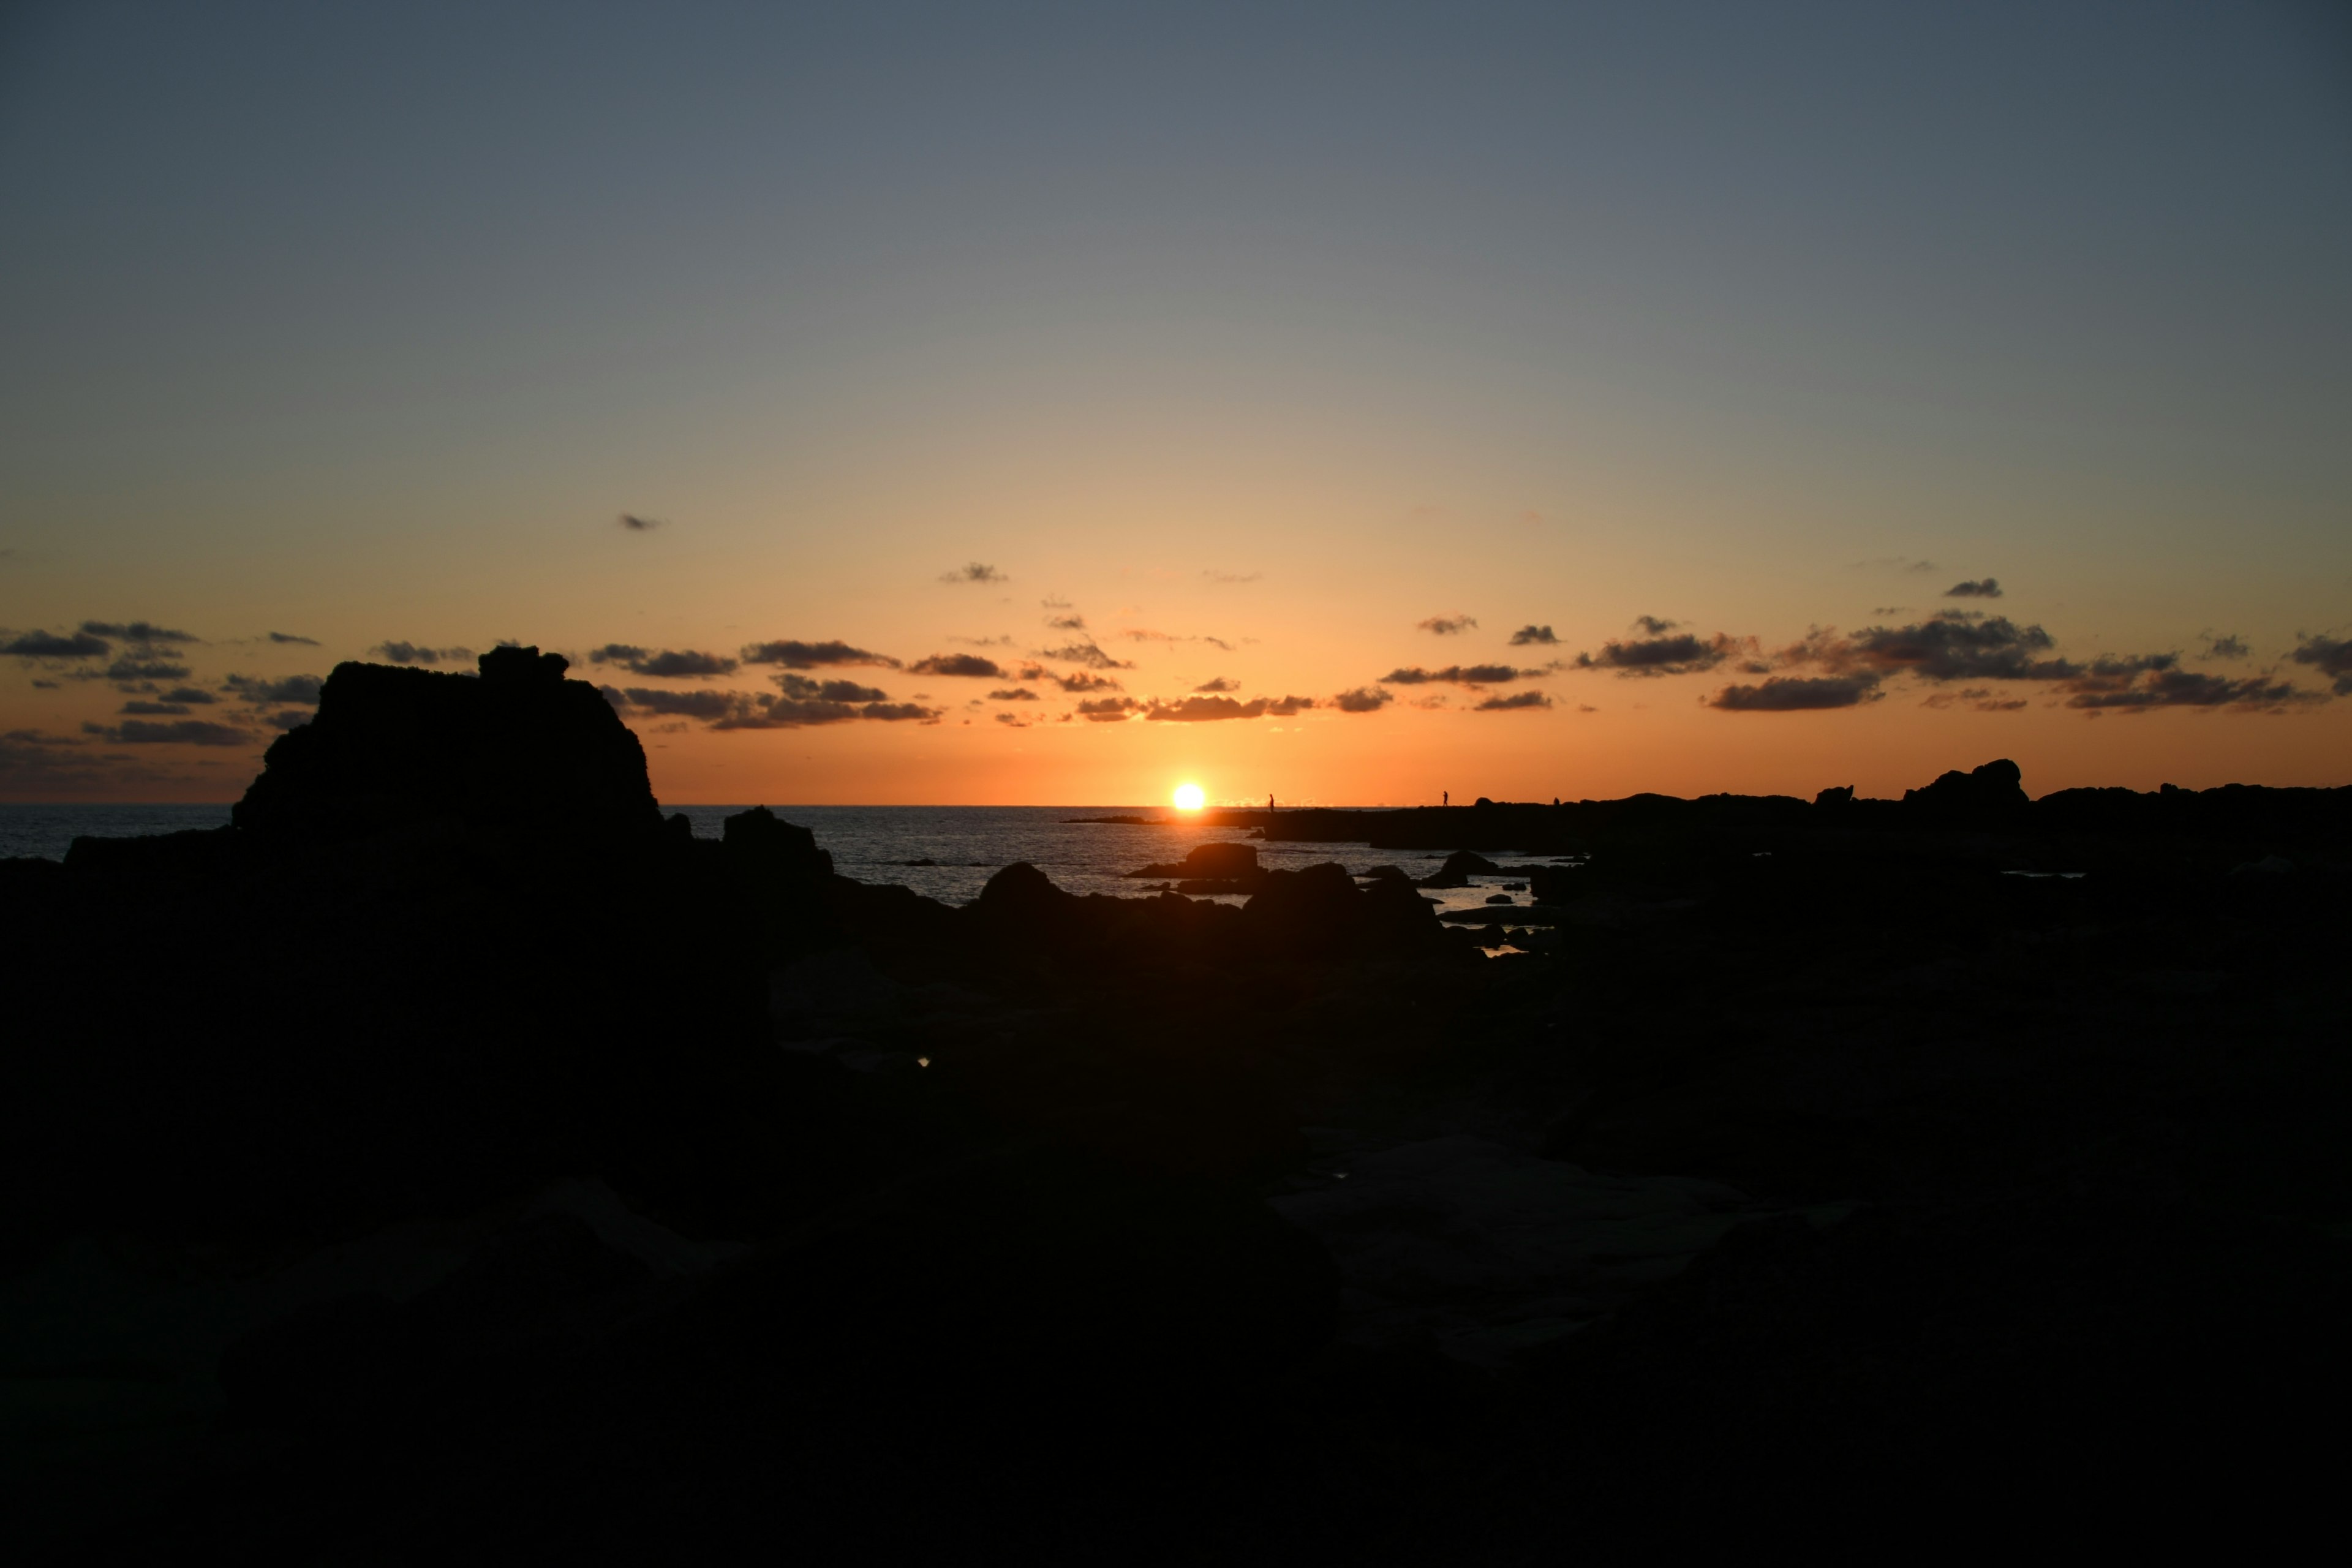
(455,1159)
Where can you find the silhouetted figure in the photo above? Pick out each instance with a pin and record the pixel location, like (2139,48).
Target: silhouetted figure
(1269,803)
(1445,798)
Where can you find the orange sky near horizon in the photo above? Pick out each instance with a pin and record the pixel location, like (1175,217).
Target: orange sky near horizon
(1827,395)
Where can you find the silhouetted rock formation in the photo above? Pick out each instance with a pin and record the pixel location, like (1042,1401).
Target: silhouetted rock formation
(677,1179)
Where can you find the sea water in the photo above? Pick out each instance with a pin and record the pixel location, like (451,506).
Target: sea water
(966,844)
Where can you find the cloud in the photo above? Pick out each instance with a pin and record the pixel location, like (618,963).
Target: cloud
(48,645)
(974,572)
(1533,634)
(632,523)
(983,642)
(794,655)
(137,631)
(1982,588)
(2228,647)
(199,696)
(1219,684)
(706,705)
(676,664)
(1073,682)
(179,733)
(1362,700)
(1668,654)
(1222,577)
(1202,710)
(800,687)
(751,710)
(152,708)
(1796,694)
(969,664)
(1894,563)
(413,653)
(1087,654)
(31,762)
(1655,625)
(290,718)
(1979,698)
(1513,703)
(2329,655)
(1107,710)
(290,638)
(2152,680)
(1138,634)
(1457,675)
(1681,653)
(1014,694)
(292,689)
(1447,625)
(146,669)
(1955,644)
(1073,622)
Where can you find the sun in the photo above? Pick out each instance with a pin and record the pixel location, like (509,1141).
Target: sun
(1190,798)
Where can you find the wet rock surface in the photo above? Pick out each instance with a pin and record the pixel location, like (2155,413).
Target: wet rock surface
(485,1179)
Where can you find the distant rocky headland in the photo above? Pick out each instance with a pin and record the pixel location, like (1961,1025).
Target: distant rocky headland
(455,1156)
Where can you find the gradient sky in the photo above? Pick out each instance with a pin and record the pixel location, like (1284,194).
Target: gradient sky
(1283,330)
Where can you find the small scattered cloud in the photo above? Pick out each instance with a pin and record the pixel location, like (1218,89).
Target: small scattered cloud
(1107,710)
(751,710)
(1532,634)
(1230,577)
(1077,681)
(143,707)
(1894,563)
(1447,625)
(1797,694)
(1203,710)
(1219,684)
(1144,634)
(1678,653)
(2131,685)
(1655,625)
(417,653)
(967,664)
(1018,721)
(2329,655)
(796,655)
(290,638)
(800,687)
(1073,622)
(1086,653)
(1978,699)
(144,631)
(1053,601)
(1456,675)
(51,644)
(1515,702)
(291,689)
(201,698)
(127,670)
(1363,700)
(2222,646)
(1981,588)
(631,522)
(676,664)
(1015,694)
(974,572)
(177,732)
(983,642)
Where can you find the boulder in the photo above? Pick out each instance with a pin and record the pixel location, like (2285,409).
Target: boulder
(1220,862)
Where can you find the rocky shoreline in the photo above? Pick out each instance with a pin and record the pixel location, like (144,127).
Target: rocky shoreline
(453,1157)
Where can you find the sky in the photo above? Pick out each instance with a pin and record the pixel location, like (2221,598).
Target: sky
(1046,404)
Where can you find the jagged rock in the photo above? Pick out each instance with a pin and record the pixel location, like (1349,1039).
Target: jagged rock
(1990,795)
(1220,862)
(1459,867)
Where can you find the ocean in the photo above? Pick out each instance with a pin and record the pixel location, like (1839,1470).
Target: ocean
(871,843)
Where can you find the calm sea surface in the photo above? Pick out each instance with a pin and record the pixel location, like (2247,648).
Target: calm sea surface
(871,843)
